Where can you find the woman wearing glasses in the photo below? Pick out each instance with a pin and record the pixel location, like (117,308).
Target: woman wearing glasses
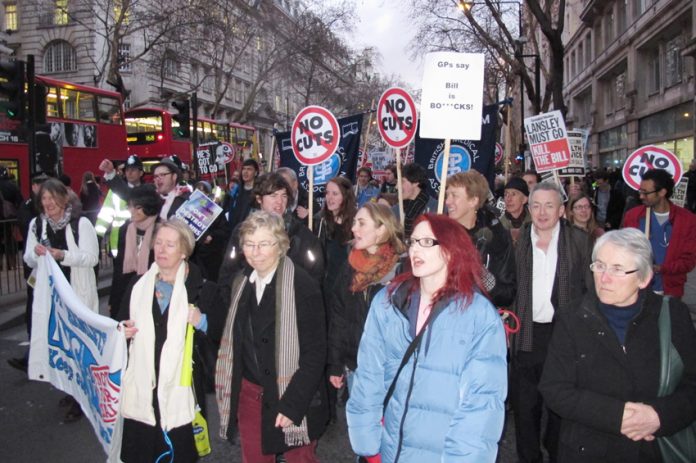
(602,371)
(272,354)
(431,362)
(581,214)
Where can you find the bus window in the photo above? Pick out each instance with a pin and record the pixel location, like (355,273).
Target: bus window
(109,110)
(143,127)
(85,104)
(52,102)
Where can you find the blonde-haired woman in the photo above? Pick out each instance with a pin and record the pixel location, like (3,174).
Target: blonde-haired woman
(158,410)
(371,264)
(272,354)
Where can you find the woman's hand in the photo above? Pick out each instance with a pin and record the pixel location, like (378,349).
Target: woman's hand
(640,421)
(58,254)
(40,250)
(336,381)
(282,421)
(194,315)
(129,328)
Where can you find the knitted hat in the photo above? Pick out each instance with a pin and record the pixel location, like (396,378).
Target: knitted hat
(516,183)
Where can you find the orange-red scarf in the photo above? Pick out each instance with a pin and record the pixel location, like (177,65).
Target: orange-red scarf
(371,268)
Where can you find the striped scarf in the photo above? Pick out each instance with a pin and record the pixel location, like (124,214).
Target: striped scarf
(287,349)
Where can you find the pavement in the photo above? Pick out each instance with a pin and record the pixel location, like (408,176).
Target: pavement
(32,428)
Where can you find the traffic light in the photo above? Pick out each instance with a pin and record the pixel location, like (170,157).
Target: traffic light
(12,81)
(182,117)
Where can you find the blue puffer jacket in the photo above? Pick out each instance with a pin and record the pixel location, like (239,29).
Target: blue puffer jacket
(455,409)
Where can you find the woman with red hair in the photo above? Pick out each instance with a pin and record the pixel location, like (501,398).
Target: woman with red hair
(432,375)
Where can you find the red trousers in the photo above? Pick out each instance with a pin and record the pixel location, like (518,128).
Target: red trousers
(249,421)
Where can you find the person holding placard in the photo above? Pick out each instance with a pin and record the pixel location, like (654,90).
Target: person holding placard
(466,201)
(671,231)
(417,201)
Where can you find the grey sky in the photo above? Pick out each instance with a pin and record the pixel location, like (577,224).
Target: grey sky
(384,24)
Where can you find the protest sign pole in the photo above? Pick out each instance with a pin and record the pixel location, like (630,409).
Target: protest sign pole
(270,159)
(443,177)
(367,132)
(310,177)
(399,191)
(647,222)
(508,144)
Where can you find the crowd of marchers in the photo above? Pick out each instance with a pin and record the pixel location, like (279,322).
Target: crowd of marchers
(390,307)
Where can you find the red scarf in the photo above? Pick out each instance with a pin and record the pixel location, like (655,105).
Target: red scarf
(371,268)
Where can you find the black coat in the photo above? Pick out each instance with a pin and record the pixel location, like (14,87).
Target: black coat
(306,394)
(305,251)
(121,281)
(348,313)
(588,378)
(494,244)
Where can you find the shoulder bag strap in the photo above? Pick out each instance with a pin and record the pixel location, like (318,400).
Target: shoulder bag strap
(409,352)
(664,324)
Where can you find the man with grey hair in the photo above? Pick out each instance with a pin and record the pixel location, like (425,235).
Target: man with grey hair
(553,261)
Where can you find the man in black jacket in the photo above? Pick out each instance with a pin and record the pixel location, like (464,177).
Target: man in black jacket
(553,261)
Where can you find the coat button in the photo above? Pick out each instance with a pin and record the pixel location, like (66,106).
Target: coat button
(582,356)
(264,340)
(581,449)
(601,333)
(584,315)
(267,372)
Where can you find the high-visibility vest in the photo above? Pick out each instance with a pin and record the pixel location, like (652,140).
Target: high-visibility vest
(112,215)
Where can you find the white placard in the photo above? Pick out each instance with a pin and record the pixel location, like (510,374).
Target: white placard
(452,98)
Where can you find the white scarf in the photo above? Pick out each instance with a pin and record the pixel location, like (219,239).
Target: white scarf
(168,201)
(176,402)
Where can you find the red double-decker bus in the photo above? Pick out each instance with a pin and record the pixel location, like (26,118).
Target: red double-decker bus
(84,125)
(152,135)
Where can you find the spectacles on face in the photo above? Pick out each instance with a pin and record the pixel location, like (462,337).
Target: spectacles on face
(162,175)
(261,246)
(422,242)
(601,267)
(646,193)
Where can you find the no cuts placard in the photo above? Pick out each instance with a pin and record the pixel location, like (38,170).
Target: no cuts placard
(646,158)
(548,141)
(452,98)
(397,117)
(315,135)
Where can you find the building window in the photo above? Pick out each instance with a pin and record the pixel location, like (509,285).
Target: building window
(11,23)
(59,56)
(588,50)
(620,91)
(171,68)
(61,17)
(673,61)
(609,28)
(640,6)
(598,40)
(621,12)
(238,89)
(653,71)
(208,81)
(124,56)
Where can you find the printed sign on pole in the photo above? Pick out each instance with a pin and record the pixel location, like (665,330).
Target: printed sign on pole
(224,153)
(679,194)
(650,157)
(576,167)
(315,135)
(397,117)
(548,141)
(452,99)
(199,213)
(498,153)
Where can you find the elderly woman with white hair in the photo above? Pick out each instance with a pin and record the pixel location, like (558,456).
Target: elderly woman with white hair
(605,373)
